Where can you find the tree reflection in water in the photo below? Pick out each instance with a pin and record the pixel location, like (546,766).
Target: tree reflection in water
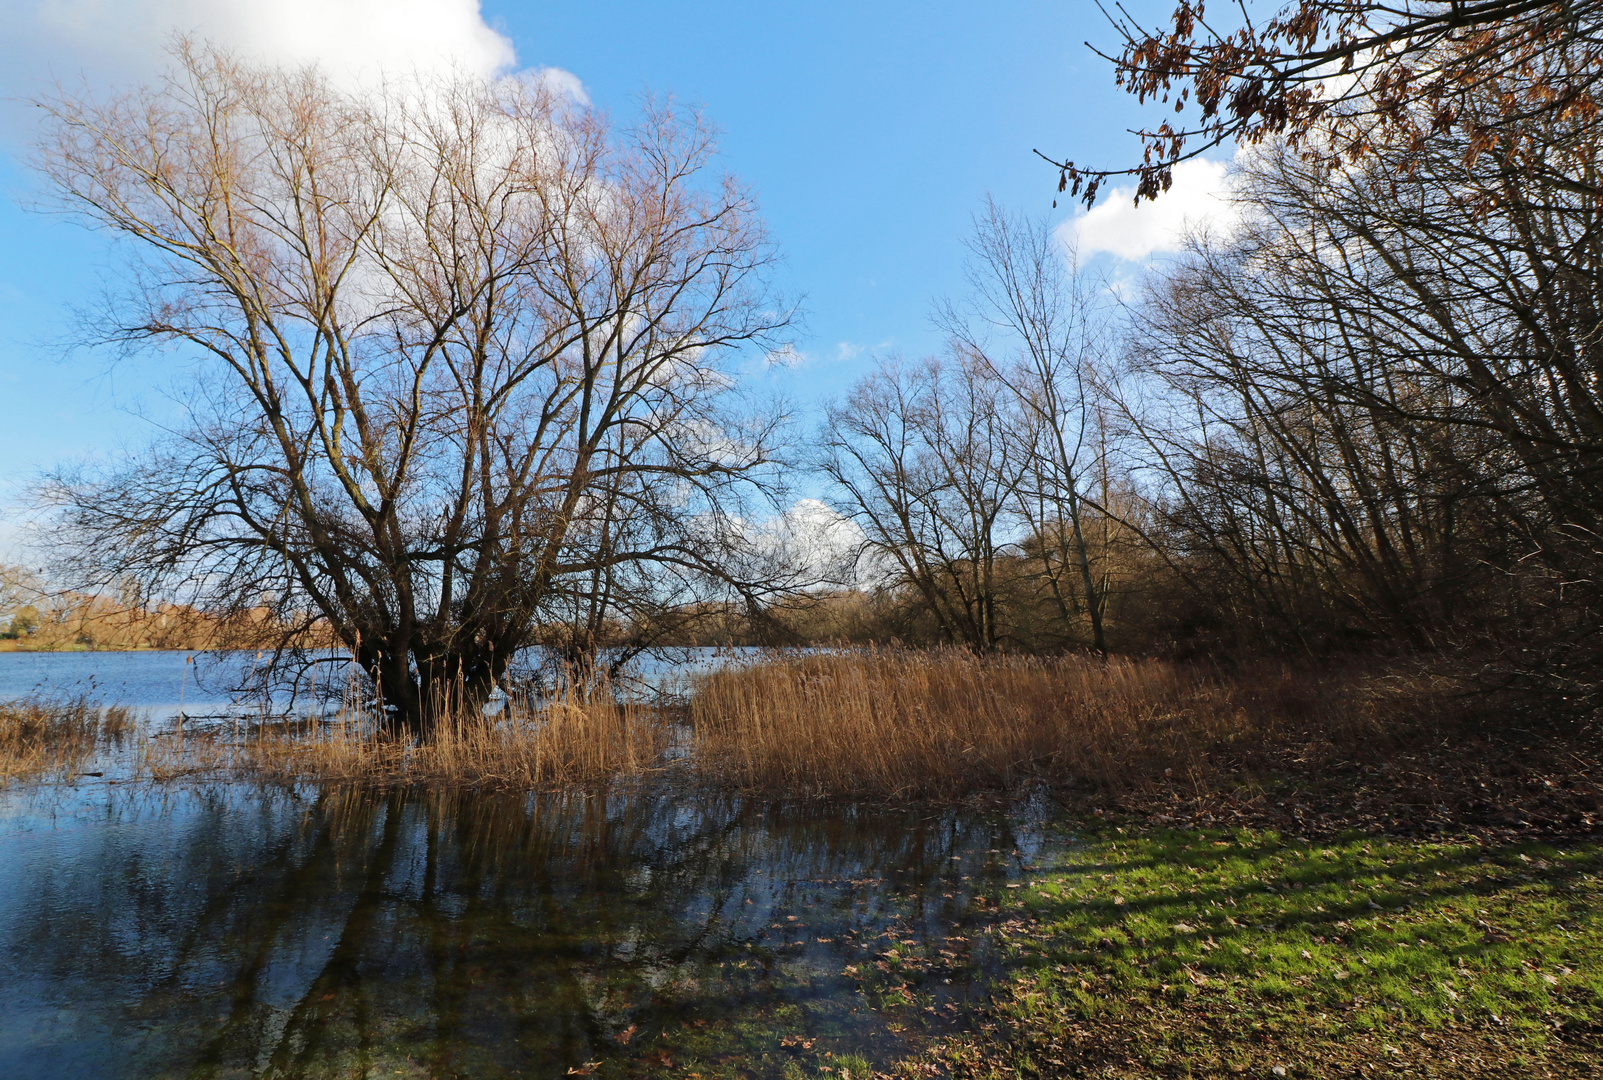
(254,932)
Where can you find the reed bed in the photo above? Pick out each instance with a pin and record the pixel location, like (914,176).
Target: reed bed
(54,739)
(569,740)
(945,723)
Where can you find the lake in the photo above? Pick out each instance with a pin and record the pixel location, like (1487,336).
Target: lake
(643,928)
(161,683)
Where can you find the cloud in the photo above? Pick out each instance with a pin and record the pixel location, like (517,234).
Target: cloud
(847,351)
(1200,197)
(114,40)
(815,539)
(791,358)
(561,82)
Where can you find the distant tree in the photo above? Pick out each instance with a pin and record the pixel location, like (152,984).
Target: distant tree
(1028,324)
(460,349)
(921,458)
(20,590)
(24,621)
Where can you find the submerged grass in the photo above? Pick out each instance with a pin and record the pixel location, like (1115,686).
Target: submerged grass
(52,739)
(945,723)
(1228,953)
(570,739)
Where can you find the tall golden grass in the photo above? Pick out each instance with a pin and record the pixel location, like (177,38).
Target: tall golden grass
(945,723)
(53,739)
(569,740)
(887,724)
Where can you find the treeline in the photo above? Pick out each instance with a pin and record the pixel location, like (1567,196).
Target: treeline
(35,617)
(1368,419)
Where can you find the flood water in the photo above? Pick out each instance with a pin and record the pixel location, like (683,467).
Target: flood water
(162,683)
(640,929)
(244,931)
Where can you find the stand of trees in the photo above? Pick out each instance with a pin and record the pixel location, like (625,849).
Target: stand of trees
(1368,419)
(466,386)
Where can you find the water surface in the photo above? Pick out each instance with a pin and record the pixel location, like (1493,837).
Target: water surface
(161,683)
(158,680)
(242,931)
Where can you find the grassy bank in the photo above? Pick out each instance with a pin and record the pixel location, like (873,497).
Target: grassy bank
(1207,953)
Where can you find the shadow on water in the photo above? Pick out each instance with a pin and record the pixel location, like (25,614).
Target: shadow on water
(249,931)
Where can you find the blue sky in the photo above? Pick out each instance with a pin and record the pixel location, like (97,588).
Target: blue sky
(869,132)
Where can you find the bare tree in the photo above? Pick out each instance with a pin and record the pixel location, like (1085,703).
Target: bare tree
(1387,406)
(457,347)
(1029,324)
(922,458)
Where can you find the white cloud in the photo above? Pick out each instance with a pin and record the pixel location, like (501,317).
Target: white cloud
(786,356)
(348,37)
(562,82)
(815,539)
(115,41)
(1199,198)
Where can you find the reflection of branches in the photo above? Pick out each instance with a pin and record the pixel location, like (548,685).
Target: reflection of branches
(454,929)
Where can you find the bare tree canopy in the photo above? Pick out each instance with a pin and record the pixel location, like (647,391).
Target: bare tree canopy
(461,349)
(1337,78)
(980,480)
(920,456)
(1385,421)
(1029,324)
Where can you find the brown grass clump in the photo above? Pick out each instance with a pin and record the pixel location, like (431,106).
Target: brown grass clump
(569,740)
(50,739)
(944,723)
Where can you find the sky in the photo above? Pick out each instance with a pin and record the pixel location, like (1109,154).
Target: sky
(869,131)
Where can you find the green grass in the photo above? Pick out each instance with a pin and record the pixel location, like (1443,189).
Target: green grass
(1185,953)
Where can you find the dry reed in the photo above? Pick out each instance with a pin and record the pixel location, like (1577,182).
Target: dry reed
(569,740)
(945,723)
(52,739)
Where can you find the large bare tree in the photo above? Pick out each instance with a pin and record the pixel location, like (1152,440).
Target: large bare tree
(922,458)
(457,346)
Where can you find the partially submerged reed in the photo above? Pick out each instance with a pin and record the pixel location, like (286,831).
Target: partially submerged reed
(887,724)
(570,739)
(944,723)
(51,739)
